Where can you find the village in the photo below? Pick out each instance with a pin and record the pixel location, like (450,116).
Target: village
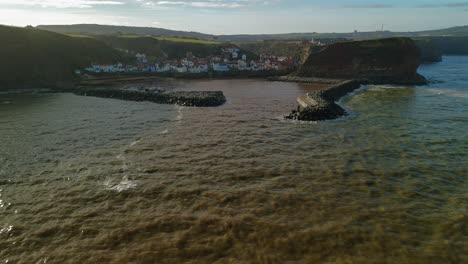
(230,59)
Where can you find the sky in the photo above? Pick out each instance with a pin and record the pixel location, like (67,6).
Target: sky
(242,16)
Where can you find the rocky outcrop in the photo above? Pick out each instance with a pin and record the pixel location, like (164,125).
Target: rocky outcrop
(389,61)
(193,98)
(320,105)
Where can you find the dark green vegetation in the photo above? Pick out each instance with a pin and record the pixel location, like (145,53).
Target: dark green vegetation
(388,61)
(90,29)
(164,49)
(294,49)
(37,58)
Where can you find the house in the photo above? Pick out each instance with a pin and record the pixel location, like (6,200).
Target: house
(230,49)
(242,65)
(220,67)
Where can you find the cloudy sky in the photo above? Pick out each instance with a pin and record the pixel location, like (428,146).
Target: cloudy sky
(242,16)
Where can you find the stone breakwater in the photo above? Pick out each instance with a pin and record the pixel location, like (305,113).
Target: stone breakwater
(309,80)
(192,98)
(320,105)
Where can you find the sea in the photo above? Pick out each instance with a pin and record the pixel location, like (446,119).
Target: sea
(95,180)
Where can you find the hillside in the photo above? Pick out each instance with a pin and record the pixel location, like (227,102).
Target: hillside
(452,45)
(294,49)
(164,49)
(36,58)
(388,60)
(453,31)
(160,49)
(93,29)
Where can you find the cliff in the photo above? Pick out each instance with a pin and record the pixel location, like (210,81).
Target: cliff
(452,45)
(389,60)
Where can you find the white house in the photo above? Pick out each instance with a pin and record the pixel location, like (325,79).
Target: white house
(220,67)
(242,65)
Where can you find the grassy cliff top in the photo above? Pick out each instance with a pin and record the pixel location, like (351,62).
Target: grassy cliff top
(381,42)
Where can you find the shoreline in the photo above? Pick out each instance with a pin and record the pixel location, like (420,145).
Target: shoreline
(109,79)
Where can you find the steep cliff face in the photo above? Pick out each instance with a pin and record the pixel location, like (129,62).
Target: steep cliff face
(390,60)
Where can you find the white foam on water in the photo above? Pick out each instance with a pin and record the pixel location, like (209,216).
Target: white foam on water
(6,229)
(180,115)
(448,92)
(135,142)
(123,185)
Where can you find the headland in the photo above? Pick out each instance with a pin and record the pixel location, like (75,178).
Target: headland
(348,65)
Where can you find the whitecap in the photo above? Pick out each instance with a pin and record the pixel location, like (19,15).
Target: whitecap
(135,142)
(123,185)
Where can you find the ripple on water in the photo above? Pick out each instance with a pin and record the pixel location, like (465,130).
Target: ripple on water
(234,185)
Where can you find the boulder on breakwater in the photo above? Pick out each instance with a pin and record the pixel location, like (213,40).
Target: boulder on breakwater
(190,98)
(320,105)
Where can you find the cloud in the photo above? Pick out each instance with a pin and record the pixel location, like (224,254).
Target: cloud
(368,6)
(208,3)
(60,3)
(457,4)
(453,4)
(205,4)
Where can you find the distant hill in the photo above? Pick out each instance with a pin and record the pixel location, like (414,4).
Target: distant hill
(92,29)
(453,32)
(36,58)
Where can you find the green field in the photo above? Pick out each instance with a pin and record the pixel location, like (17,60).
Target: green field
(200,41)
(78,36)
(174,39)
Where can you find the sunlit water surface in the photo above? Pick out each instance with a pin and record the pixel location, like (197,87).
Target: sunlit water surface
(92,180)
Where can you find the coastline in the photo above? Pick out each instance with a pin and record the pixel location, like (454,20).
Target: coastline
(321,105)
